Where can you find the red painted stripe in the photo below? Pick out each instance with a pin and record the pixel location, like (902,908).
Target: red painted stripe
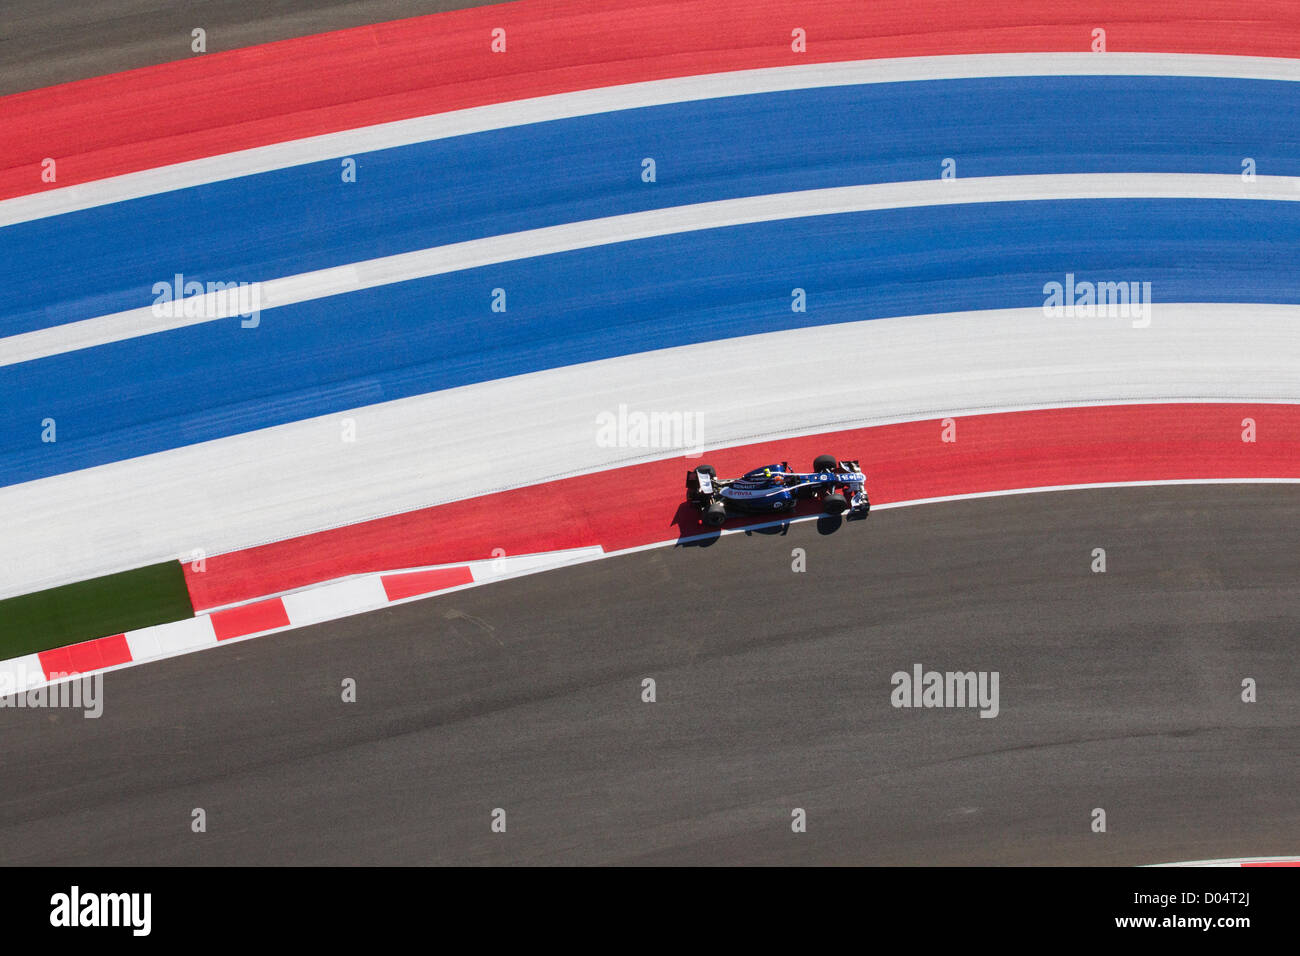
(644,503)
(249,619)
(1275,863)
(88,656)
(221,102)
(398,586)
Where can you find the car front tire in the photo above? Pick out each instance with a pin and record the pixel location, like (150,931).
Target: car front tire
(835,503)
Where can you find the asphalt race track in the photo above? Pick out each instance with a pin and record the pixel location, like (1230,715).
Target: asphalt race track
(1118,690)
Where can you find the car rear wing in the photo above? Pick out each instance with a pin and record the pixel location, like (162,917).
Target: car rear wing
(699,482)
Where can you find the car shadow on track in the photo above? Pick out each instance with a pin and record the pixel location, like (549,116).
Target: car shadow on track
(692,532)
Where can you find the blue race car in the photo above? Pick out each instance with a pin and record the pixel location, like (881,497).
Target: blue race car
(777,489)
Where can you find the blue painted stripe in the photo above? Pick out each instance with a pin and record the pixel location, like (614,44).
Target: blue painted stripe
(107,259)
(206,382)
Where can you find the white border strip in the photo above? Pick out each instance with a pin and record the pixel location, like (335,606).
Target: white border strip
(1234,861)
(632,96)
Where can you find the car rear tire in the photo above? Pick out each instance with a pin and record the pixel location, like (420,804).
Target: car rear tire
(826,463)
(715,514)
(835,503)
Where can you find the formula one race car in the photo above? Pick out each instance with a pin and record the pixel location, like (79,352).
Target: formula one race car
(777,489)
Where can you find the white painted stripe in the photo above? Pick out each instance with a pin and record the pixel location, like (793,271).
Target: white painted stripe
(19,674)
(168,640)
(337,600)
(550,240)
(511,566)
(431,449)
(1236,861)
(941,499)
(631,96)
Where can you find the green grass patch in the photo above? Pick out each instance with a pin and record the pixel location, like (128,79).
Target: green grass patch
(95,608)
